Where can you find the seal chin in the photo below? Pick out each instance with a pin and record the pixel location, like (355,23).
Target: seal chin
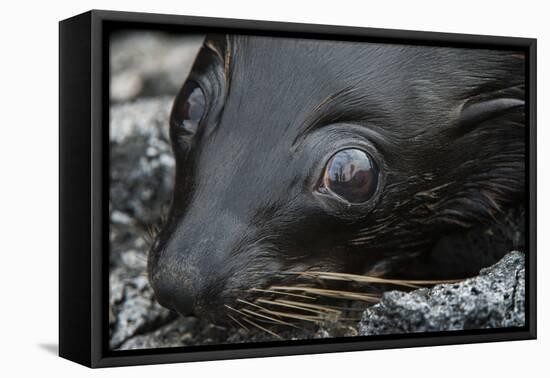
(188,301)
(216,314)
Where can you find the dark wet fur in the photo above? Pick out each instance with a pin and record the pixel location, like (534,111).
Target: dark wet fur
(445,126)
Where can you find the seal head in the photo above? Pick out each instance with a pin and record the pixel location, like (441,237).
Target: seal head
(298,155)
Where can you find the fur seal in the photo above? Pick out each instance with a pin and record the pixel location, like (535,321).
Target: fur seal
(297,155)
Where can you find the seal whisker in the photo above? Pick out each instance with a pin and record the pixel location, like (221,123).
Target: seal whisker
(236,310)
(296,305)
(345,309)
(261,308)
(370,279)
(332,293)
(249,313)
(281,293)
(254,313)
(238,322)
(262,328)
(314,319)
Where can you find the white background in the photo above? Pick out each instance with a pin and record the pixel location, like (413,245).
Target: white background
(29,187)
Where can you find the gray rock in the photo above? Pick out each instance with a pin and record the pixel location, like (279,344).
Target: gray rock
(494,299)
(188,331)
(141,170)
(174,334)
(183,331)
(133,308)
(141,161)
(145,64)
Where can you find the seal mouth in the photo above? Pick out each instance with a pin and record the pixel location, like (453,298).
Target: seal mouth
(319,298)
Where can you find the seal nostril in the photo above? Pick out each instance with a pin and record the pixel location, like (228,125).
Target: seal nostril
(184,303)
(174,295)
(183,297)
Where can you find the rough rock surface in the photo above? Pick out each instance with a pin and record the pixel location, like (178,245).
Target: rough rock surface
(141,161)
(494,299)
(141,171)
(147,63)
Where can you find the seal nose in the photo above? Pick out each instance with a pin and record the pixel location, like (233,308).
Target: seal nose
(184,302)
(191,267)
(177,296)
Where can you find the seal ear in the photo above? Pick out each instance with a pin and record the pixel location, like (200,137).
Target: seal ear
(490,105)
(218,44)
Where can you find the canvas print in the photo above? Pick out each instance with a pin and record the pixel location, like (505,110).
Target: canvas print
(265,189)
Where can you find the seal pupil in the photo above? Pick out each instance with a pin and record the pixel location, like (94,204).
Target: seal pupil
(352,175)
(188,108)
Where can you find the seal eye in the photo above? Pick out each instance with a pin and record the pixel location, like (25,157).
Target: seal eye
(188,108)
(352,175)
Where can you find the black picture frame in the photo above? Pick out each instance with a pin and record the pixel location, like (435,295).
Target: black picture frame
(83,181)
